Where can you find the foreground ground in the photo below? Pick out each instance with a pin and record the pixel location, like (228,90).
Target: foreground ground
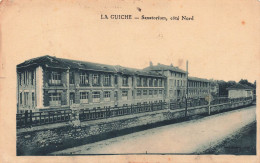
(200,136)
(241,143)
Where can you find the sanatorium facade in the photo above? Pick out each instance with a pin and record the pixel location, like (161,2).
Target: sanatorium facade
(48,82)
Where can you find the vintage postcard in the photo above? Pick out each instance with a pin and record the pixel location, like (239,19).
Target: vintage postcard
(129,81)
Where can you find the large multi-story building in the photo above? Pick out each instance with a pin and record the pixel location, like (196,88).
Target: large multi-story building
(48,82)
(55,83)
(176,83)
(176,80)
(198,87)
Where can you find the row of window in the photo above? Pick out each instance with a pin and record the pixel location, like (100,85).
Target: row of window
(179,75)
(151,82)
(84,96)
(198,84)
(151,92)
(194,92)
(177,83)
(55,79)
(26,78)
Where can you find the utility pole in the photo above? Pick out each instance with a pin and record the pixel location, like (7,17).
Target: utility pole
(187,84)
(210,98)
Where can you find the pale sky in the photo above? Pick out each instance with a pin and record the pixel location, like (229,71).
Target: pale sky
(221,43)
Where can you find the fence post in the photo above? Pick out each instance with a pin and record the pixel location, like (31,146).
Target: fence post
(75,122)
(209,106)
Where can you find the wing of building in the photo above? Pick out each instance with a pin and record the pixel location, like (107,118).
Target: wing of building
(176,83)
(55,83)
(240,90)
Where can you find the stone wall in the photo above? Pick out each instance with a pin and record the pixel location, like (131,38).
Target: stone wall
(42,140)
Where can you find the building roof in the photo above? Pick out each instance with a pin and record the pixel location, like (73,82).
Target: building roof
(54,62)
(139,72)
(198,79)
(47,61)
(240,86)
(160,67)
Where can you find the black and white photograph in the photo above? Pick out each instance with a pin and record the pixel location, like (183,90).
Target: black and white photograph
(129,81)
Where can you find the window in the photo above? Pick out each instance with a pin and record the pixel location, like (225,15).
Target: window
(144,92)
(32,77)
(160,82)
(20,79)
(124,95)
(145,82)
(71,76)
(26,80)
(160,92)
(116,79)
(107,96)
(33,98)
(83,97)
(107,80)
(139,92)
(55,78)
(150,92)
(155,82)
(55,96)
(155,92)
(96,96)
(26,98)
(178,84)
(21,98)
(96,80)
(125,81)
(138,81)
(84,78)
(150,82)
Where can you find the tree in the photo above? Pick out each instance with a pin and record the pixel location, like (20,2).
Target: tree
(223,87)
(245,82)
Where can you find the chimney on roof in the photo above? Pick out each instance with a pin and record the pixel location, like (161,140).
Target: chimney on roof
(151,63)
(171,65)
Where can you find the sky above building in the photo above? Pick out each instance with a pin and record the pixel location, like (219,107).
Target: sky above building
(222,42)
